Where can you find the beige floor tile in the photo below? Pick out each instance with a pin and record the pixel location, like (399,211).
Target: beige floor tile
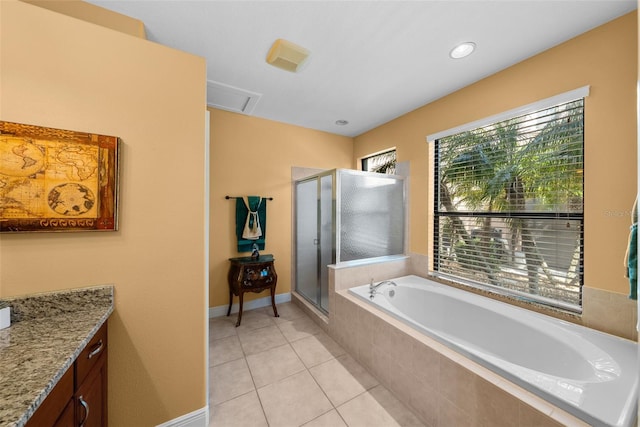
(330,419)
(271,354)
(342,379)
(255,319)
(293,401)
(224,350)
(268,309)
(273,365)
(229,380)
(299,328)
(317,349)
(366,411)
(287,311)
(242,411)
(221,327)
(257,340)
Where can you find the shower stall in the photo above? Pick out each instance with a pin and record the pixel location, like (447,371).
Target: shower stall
(344,215)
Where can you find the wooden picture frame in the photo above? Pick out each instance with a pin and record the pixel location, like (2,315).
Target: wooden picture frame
(57,180)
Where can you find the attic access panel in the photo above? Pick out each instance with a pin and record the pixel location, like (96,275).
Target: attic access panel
(57,180)
(230,98)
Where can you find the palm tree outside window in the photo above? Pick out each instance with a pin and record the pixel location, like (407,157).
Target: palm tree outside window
(381,163)
(508,206)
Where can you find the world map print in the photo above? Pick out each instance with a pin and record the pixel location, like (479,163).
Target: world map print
(54,180)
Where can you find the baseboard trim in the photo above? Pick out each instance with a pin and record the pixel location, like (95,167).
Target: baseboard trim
(197,418)
(221,310)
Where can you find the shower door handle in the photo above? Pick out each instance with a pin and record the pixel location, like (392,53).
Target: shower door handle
(316,241)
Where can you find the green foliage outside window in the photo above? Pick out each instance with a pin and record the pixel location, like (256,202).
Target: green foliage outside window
(509,204)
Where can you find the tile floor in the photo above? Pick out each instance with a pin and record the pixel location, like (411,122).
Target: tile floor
(287,372)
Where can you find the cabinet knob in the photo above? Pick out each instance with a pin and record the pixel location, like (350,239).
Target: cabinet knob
(85,405)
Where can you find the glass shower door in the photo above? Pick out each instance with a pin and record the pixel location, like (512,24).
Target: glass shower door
(340,216)
(315,237)
(307,239)
(326,249)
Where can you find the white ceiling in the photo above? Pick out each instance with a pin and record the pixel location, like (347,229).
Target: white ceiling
(371,61)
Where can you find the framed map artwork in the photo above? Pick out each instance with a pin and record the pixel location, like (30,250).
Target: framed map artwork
(57,180)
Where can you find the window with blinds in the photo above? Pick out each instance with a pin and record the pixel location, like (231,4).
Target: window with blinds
(508,208)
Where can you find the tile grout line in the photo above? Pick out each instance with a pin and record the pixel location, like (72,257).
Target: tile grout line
(288,342)
(244,357)
(334,407)
(255,387)
(305,367)
(308,369)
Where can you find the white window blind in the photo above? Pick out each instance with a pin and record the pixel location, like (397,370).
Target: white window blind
(508,206)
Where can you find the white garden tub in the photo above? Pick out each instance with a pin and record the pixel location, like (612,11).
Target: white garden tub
(590,374)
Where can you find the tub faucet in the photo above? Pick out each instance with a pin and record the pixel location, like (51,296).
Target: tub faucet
(372,287)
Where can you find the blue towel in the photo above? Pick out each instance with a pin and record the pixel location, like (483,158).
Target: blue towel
(632,262)
(246,245)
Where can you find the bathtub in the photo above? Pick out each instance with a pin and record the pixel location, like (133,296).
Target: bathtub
(590,374)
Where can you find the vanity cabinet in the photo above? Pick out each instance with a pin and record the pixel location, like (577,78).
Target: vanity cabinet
(91,382)
(57,408)
(80,397)
(67,418)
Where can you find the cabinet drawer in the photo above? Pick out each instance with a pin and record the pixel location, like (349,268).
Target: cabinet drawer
(55,403)
(91,396)
(90,355)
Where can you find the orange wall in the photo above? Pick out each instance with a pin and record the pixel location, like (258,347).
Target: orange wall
(61,72)
(604,58)
(252,156)
(95,14)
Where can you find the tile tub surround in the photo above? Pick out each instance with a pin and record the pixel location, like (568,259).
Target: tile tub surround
(442,387)
(610,312)
(362,330)
(47,333)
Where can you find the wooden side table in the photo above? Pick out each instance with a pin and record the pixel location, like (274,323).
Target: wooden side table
(248,274)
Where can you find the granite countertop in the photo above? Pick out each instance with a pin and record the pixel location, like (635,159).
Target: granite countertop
(48,331)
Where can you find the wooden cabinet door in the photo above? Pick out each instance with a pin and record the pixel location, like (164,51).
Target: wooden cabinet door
(91,396)
(66,419)
(55,404)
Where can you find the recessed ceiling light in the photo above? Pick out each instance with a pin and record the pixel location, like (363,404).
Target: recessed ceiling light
(462,50)
(342,122)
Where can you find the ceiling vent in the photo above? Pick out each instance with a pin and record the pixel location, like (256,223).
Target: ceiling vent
(225,97)
(286,55)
